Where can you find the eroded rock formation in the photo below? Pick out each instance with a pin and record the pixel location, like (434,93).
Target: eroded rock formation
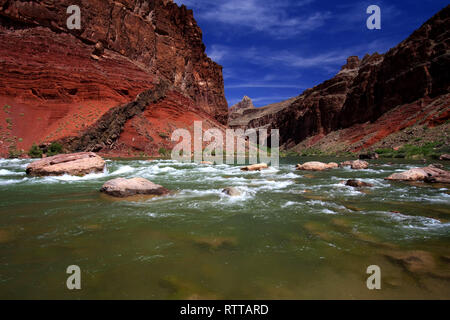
(369,99)
(48,75)
(122,187)
(76,164)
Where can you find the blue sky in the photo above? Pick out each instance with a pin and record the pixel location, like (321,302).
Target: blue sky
(272,50)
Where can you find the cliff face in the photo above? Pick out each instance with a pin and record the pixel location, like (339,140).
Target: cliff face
(317,110)
(416,68)
(240,108)
(372,98)
(50,78)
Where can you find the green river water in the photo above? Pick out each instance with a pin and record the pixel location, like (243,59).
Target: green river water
(290,235)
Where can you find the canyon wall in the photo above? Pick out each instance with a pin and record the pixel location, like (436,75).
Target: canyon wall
(57,83)
(371,98)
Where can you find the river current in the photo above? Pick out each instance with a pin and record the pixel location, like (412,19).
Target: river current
(289,235)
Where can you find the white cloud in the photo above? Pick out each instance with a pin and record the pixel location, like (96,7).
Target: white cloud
(270,17)
(264,85)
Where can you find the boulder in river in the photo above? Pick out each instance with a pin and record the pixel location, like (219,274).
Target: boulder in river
(429,174)
(77,164)
(232,192)
(357,183)
(444,157)
(316,166)
(207,163)
(122,187)
(355,164)
(255,167)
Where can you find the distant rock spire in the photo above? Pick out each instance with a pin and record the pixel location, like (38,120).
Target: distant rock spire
(246,103)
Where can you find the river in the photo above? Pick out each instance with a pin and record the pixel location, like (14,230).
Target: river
(290,235)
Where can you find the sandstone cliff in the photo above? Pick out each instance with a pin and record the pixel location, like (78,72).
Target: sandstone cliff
(52,88)
(370,99)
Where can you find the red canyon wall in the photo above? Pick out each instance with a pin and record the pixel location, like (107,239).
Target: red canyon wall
(371,98)
(51,88)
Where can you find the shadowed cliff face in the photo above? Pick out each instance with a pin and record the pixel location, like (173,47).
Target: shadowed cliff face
(49,78)
(411,77)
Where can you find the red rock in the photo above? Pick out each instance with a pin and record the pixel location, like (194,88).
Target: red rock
(430,174)
(355,164)
(357,183)
(316,166)
(49,78)
(122,187)
(255,167)
(77,164)
(371,98)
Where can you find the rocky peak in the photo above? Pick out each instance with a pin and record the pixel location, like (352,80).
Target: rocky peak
(245,103)
(237,110)
(363,92)
(352,63)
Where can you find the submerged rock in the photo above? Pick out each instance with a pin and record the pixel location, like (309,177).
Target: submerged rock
(216,243)
(5,236)
(77,164)
(356,164)
(255,167)
(316,166)
(122,187)
(429,174)
(369,156)
(357,183)
(232,192)
(418,262)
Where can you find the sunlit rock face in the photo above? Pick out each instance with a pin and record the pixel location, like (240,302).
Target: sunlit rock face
(65,80)
(370,98)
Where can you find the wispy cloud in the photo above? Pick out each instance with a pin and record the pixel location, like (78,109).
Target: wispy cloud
(273,18)
(264,85)
(262,56)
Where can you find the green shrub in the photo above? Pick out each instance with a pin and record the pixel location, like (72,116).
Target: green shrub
(35,151)
(163,152)
(13,152)
(54,149)
(383,151)
(163,135)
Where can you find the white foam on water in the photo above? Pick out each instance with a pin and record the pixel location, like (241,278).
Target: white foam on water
(328,211)
(196,192)
(289,175)
(70,178)
(123,170)
(413,222)
(4,172)
(208,169)
(246,194)
(290,203)
(439,198)
(325,204)
(12,181)
(272,184)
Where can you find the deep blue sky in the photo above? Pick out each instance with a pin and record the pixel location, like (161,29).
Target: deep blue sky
(272,50)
